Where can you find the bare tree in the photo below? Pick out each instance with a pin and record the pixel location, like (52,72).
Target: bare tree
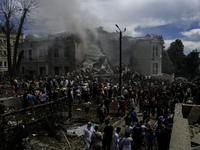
(13,16)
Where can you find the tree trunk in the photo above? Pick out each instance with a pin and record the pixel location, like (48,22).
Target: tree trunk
(7,33)
(15,64)
(21,54)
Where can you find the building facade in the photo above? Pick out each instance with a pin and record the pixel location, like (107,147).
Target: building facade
(147,55)
(3,49)
(54,55)
(141,54)
(63,53)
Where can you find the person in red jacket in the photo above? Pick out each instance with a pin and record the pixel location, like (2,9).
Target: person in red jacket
(122,105)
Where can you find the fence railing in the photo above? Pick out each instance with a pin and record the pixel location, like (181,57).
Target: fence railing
(15,125)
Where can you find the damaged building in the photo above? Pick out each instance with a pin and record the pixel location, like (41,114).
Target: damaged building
(141,54)
(62,53)
(53,55)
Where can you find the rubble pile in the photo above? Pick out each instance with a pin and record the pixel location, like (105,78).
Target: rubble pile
(195,134)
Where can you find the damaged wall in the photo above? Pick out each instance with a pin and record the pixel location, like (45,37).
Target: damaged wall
(99,51)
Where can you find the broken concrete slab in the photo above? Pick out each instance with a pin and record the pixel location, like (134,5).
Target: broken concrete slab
(196,139)
(194,115)
(195,148)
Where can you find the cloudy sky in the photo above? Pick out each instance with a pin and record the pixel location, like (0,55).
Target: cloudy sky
(173,19)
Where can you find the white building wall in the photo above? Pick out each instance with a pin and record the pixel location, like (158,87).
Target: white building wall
(147,53)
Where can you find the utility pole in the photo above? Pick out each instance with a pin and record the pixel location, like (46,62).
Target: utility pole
(120,59)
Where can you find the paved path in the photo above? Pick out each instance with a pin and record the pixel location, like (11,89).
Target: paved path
(12,101)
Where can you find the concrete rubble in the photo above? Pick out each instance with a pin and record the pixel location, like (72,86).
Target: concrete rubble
(194,115)
(196,139)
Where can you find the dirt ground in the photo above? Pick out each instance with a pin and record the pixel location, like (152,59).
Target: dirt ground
(40,138)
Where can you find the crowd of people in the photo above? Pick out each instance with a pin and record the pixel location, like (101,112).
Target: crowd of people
(156,102)
(154,98)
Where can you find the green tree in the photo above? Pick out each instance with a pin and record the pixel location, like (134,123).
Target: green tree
(13,15)
(192,61)
(167,65)
(176,55)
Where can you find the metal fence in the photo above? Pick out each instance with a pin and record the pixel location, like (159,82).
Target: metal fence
(15,125)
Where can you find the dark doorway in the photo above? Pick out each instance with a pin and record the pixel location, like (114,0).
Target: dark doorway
(56,70)
(66,70)
(42,71)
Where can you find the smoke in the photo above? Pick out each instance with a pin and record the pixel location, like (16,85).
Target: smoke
(71,16)
(56,16)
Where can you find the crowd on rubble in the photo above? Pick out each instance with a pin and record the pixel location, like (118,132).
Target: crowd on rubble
(154,98)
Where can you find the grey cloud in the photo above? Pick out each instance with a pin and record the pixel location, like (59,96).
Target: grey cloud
(193,35)
(64,15)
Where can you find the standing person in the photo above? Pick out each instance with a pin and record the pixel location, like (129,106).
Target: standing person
(137,132)
(127,119)
(38,95)
(107,136)
(31,87)
(13,90)
(150,139)
(87,133)
(25,99)
(163,139)
(31,98)
(133,115)
(143,127)
(128,128)
(122,106)
(96,139)
(107,104)
(78,95)
(153,106)
(16,85)
(100,110)
(188,91)
(43,97)
(116,139)
(87,110)
(144,115)
(126,142)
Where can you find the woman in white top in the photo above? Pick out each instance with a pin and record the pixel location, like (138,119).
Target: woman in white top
(116,139)
(128,128)
(126,142)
